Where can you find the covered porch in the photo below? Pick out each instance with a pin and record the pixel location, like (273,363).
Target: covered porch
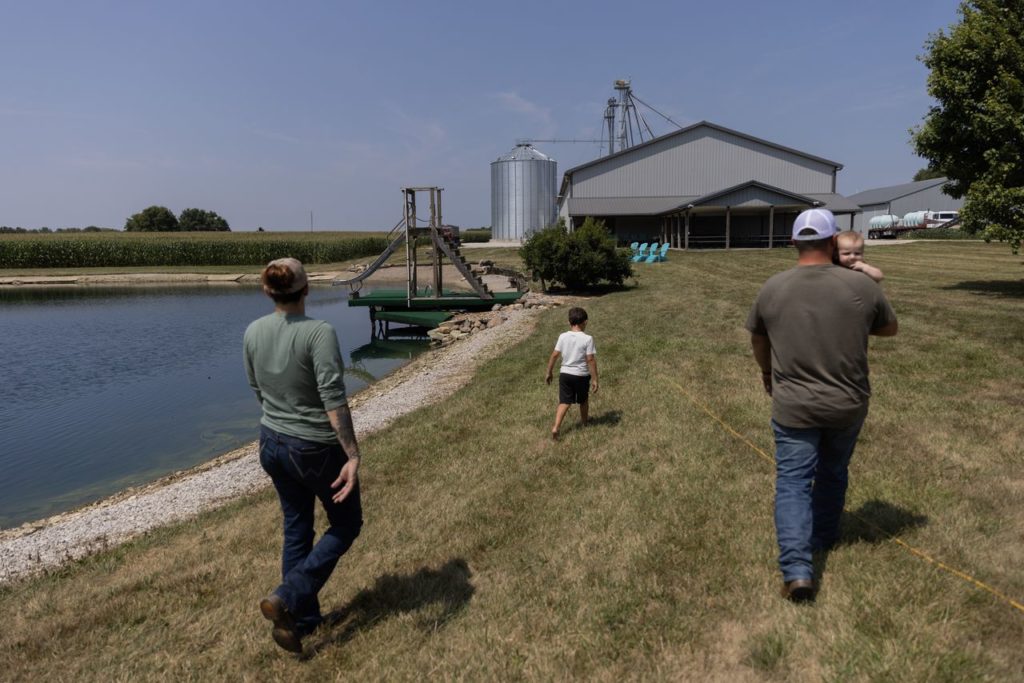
(748,216)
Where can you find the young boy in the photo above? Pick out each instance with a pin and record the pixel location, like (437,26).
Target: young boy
(578,376)
(850,254)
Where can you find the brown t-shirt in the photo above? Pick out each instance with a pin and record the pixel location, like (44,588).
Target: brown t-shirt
(817,319)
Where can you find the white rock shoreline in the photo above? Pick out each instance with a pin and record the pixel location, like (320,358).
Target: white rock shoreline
(40,546)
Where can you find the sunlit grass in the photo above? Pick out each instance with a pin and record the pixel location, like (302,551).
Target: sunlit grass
(641,547)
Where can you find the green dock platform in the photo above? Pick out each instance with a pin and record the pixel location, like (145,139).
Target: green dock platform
(425,311)
(394,300)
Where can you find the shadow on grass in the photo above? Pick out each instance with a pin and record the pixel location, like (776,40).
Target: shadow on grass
(447,589)
(876,521)
(608,418)
(999,288)
(593,290)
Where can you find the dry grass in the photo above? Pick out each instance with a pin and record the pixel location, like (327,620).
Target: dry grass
(639,548)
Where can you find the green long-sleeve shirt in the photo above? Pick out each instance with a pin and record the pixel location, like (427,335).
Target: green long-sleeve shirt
(294,365)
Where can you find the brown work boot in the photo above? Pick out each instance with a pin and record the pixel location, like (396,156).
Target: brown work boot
(798,590)
(285,633)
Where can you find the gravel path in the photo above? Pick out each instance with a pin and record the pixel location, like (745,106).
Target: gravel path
(36,547)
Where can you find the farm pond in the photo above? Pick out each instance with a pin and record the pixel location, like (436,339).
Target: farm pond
(111,387)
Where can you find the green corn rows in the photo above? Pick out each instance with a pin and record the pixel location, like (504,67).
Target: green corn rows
(113,250)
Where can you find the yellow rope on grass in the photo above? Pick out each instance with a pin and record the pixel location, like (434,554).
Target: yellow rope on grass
(895,539)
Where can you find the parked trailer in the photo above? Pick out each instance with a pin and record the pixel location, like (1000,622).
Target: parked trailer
(894,226)
(891,226)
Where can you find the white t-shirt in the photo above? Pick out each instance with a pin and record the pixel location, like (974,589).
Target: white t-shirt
(575,347)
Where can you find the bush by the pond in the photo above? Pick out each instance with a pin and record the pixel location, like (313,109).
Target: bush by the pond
(96,250)
(585,257)
(942,234)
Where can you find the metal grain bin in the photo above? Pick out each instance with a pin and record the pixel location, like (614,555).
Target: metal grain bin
(524,191)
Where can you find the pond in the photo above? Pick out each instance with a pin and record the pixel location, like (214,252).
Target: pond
(110,387)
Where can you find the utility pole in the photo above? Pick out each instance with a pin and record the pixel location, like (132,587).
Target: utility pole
(311,221)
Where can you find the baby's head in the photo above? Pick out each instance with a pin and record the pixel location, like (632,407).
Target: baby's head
(849,247)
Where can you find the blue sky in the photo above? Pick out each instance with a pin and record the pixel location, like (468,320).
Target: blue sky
(265,111)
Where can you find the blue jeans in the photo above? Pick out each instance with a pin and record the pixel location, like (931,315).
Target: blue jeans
(303,471)
(811,475)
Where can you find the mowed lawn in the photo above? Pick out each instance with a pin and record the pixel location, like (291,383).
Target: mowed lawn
(639,548)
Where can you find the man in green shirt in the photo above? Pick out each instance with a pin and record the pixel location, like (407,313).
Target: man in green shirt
(307,445)
(809,329)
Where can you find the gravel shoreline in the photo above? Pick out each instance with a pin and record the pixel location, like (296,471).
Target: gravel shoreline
(39,546)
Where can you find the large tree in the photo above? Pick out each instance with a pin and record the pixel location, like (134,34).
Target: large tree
(197,219)
(152,219)
(975,131)
(928,174)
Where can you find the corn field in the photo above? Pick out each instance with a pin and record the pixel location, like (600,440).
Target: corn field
(88,250)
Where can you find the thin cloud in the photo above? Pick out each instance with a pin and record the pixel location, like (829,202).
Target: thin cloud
(274,135)
(105,163)
(514,102)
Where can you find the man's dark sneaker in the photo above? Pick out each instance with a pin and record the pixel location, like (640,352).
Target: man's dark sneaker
(285,633)
(798,590)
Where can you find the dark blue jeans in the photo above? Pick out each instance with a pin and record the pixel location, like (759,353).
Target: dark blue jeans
(811,476)
(303,471)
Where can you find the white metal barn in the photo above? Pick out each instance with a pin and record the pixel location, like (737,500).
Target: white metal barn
(703,186)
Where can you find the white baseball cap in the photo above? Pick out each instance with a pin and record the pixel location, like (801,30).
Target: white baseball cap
(814,224)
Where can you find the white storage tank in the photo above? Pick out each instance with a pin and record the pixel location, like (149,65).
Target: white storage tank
(524,193)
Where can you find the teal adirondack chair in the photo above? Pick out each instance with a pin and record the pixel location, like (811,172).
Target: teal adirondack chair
(634,246)
(641,254)
(659,255)
(646,258)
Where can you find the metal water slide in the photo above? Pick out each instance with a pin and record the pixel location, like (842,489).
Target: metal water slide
(406,232)
(396,237)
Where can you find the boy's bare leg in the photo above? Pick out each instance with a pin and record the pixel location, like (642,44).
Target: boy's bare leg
(584,412)
(563,408)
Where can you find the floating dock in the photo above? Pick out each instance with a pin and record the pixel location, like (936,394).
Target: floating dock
(422,308)
(424,312)
(449,300)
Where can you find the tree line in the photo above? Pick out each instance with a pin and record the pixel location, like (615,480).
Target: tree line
(4,229)
(161,219)
(151,219)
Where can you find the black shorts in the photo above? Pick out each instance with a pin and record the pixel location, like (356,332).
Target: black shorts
(573,388)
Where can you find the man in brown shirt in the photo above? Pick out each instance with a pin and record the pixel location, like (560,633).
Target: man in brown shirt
(809,330)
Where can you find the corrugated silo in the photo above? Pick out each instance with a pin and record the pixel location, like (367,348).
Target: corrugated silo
(524,192)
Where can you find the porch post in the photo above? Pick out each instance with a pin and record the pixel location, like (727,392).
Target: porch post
(728,217)
(686,230)
(771,225)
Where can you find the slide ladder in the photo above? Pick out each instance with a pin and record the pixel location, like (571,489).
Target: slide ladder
(454,254)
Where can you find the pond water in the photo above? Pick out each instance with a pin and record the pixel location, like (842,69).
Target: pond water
(109,387)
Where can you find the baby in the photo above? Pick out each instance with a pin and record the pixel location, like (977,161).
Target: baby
(850,254)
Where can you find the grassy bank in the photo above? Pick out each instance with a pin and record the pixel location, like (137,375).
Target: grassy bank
(639,548)
(130,250)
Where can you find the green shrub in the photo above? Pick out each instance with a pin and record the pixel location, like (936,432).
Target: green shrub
(942,234)
(92,250)
(579,259)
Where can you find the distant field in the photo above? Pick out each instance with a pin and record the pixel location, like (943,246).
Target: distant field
(117,249)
